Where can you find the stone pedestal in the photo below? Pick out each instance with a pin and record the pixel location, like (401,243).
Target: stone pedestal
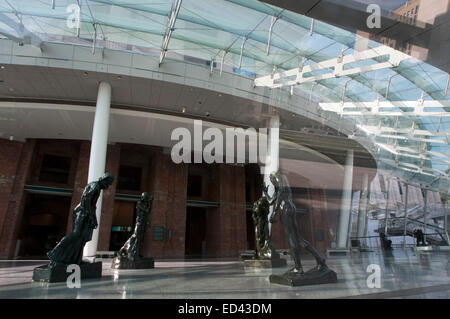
(265,263)
(59,273)
(143,263)
(311,277)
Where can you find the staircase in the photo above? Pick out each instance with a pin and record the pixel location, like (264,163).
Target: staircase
(396,227)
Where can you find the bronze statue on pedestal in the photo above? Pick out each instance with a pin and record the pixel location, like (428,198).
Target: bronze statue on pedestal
(264,246)
(129,256)
(70,249)
(132,248)
(285,207)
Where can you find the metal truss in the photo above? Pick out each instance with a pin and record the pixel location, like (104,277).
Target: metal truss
(417,169)
(424,155)
(334,68)
(22,35)
(169,29)
(388,108)
(410,134)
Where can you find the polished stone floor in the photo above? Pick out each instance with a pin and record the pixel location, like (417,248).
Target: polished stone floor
(404,274)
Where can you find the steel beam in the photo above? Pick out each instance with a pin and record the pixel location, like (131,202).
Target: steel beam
(169,29)
(420,109)
(22,35)
(334,67)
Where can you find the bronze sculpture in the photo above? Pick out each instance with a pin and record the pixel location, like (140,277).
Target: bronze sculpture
(265,253)
(264,246)
(129,257)
(69,250)
(285,207)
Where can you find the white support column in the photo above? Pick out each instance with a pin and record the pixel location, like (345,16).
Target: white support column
(386,212)
(406,215)
(272,160)
(362,214)
(445,205)
(97,160)
(344,216)
(425,211)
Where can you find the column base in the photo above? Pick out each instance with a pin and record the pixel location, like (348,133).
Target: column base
(311,277)
(59,273)
(144,263)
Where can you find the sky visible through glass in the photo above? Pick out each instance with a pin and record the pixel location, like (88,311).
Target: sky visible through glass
(237,31)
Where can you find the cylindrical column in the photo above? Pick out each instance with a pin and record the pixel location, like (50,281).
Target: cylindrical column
(386,213)
(363,208)
(445,205)
(346,203)
(272,160)
(97,160)
(406,215)
(425,202)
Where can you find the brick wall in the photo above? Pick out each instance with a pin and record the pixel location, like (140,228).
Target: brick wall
(15,160)
(169,184)
(81,175)
(231,226)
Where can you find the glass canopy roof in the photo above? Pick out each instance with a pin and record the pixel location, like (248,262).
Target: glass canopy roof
(255,40)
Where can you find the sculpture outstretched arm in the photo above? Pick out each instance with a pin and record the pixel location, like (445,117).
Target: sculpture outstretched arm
(271,199)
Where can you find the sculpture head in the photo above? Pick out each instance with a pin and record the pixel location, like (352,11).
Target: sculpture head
(145,196)
(261,203)
(275,179)
(278,180)
(106,180)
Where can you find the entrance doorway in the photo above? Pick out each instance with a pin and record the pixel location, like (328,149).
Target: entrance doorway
(251,244)
(122,223)
(195,243)
(44,224)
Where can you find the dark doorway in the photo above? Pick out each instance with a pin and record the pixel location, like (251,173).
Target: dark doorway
(251,245)
(55,169)
(44,224)
(122,223)
(195,244)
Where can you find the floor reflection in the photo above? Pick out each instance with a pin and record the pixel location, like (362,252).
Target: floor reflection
(403,274)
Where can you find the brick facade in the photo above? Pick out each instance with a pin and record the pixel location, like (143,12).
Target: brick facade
(15,160)
(168,187)
(81,176)
(232,211)
(225,226)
